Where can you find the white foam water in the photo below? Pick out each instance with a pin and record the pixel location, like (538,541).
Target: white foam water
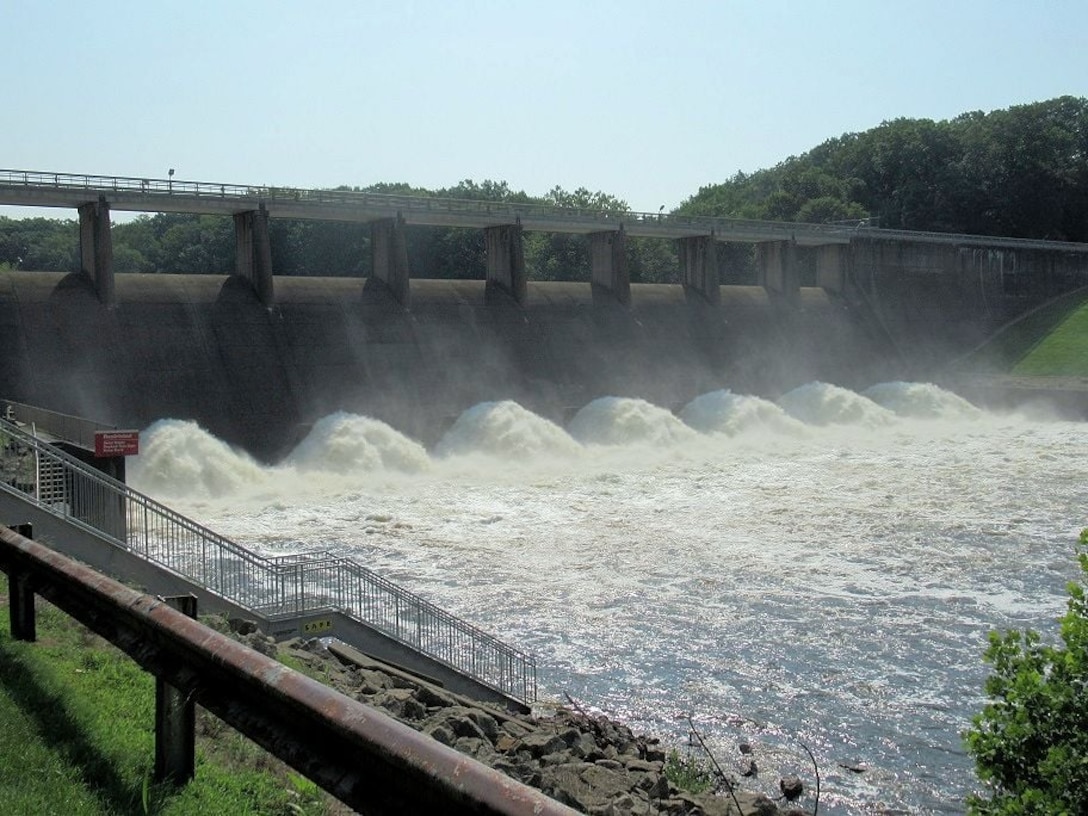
(180,459)
(824,404)
(626,421)
(832,586)
(505,429)
(923,400)
(350,444)
(734,414)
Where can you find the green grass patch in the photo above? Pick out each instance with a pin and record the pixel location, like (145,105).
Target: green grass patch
(1061,353)
(1013,347)
(78,738)
(690,773)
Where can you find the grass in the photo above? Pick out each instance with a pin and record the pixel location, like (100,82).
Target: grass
(1016,344)
(1063,352)
(78,738)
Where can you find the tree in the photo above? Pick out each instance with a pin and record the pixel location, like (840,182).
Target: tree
(1030,743)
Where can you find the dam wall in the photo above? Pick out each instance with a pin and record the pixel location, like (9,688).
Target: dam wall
(205,348)
(936,301)
(214,349)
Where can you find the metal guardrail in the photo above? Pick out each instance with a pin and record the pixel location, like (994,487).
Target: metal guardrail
(275,587)
(251,196)
(65,427)
(361,755)
(199,196)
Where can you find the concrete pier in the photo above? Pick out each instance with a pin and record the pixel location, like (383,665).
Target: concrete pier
(699,267)
(253,253)
(506,260)
(96,247)
(608,263)
(778,270)
(831,267)
(389,257)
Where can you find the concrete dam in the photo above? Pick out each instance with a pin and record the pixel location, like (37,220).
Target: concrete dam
(206,348)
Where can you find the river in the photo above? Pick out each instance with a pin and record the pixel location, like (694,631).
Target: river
(817,572)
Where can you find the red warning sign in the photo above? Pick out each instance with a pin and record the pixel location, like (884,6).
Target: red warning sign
(116,443)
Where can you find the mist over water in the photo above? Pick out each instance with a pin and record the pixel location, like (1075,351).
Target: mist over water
(823,569)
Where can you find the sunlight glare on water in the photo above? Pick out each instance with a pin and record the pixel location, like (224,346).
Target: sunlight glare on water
(822,570)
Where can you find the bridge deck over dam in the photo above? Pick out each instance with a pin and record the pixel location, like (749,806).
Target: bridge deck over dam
(33,188)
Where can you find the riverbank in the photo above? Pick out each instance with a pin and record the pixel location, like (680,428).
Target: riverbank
(588,762)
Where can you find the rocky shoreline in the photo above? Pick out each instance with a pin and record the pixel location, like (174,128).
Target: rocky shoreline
(587,762)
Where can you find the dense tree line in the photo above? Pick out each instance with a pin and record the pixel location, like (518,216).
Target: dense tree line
(1021,172)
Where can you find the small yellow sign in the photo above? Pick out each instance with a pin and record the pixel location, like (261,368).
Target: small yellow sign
(317,626)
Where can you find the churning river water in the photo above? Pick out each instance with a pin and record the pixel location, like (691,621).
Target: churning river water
(821,570)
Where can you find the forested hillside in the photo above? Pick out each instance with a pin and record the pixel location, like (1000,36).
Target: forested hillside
(1018,172)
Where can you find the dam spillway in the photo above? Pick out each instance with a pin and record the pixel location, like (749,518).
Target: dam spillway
(203,347)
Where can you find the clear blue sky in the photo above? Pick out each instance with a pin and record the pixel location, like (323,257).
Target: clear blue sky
(647,101)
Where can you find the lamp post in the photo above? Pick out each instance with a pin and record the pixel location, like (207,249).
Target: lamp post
(170,184)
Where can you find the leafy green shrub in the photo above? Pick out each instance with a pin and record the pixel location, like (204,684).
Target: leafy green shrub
(689,773)
(1030,743)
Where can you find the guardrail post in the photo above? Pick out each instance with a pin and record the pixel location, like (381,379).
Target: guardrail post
(21,597)
(175,719)
(21,606)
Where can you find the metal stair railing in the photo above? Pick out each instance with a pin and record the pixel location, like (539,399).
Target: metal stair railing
(273,587)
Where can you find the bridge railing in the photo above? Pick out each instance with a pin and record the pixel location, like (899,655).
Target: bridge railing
(511,211)
(251,196)
(278,586)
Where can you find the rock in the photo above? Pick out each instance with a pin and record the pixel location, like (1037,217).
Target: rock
(791,787)
(542,743)
(590,763)
(242,626)
(628,805)
(485,723)
(441,734)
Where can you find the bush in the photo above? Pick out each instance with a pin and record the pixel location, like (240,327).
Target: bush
(689,773)
(1030,743)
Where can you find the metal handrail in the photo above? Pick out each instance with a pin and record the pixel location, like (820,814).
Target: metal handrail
(279,586)
(250,195)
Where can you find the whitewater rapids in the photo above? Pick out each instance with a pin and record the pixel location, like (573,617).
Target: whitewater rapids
(823,569)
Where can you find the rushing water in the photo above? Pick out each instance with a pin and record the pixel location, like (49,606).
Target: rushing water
(821,571)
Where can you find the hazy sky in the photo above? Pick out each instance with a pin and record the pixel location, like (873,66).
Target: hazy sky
(647,101)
